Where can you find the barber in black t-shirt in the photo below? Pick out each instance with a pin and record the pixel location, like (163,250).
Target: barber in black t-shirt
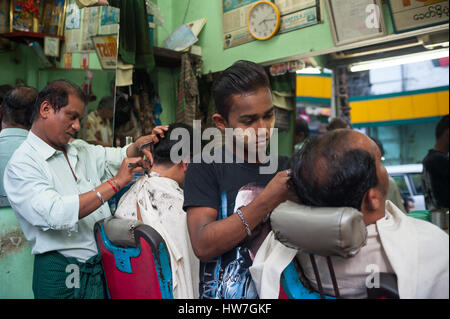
(435,167)
(228,204)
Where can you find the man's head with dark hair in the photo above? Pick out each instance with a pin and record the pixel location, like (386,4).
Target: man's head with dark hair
(57,93)
(342,169)
(162,150)
(4,89)
(244,101)
(301,130)
(380,146)
(106,107)
(442,134)
(178,140)
(242,78)
(57,113)
(17,107)
(442,126)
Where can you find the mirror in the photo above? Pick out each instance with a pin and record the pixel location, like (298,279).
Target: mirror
(89,59)
(384,102)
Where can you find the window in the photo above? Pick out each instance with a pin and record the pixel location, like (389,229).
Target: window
(416,181)
(401,183)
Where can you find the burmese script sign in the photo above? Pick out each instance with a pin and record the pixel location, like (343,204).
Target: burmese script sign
(415,14)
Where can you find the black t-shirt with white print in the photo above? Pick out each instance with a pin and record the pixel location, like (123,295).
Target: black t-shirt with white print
(227,187)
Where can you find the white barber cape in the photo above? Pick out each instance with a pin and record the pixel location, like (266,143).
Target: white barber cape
(418,252)
(161,206)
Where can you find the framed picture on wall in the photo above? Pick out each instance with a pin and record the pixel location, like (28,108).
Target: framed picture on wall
(106,47)
(22,17)
(53,17)
(355,20)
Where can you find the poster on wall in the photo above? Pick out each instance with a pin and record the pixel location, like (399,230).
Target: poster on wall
(22,17)
(53,17)
(72,32)
(4,16)
(414,14)
(295,14)
(235,13)
(89,27)
(109,20)
(355,20)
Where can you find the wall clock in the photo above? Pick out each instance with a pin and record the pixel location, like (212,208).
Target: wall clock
(263,20)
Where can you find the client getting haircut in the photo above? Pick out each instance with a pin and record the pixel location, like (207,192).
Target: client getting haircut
(162,150)
(331,173)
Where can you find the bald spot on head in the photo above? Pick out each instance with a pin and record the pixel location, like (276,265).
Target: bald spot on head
(337,169)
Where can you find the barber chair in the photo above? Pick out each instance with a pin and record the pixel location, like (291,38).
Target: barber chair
(135,260)
(322,232)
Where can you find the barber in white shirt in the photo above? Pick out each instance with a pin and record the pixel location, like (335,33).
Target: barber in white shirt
(59,190)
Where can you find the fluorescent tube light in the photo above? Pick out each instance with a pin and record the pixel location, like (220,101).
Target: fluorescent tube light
(404,59)
(436,45)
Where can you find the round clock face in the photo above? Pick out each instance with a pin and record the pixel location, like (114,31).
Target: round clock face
(263,20)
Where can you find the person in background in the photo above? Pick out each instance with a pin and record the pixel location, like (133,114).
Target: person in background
(16,112)
(301,133)
(59,189)
(4,89)
(394,194)
(99,129)
(409,204)
(157,200)
(338,123)
(435,169)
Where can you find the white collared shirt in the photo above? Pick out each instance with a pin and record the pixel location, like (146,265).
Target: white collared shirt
(45,195)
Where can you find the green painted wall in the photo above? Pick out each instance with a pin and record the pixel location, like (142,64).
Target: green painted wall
(313,38)
(215,58)
(16,260)
(166,82)
(19,63)
(102,82)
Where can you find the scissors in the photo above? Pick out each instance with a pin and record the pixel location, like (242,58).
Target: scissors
(144,146)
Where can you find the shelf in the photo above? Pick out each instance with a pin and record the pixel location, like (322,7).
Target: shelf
(169,58)
(20,36)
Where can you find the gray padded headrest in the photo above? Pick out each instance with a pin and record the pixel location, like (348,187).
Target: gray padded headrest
(320,231)
(121,231)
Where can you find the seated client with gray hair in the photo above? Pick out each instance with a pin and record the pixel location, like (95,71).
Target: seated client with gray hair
(346,225)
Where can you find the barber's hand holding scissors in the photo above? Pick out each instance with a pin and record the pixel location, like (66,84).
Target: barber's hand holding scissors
(143,145)
(129,167)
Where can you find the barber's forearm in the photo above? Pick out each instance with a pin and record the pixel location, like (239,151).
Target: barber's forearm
(133,151)
(90,202)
